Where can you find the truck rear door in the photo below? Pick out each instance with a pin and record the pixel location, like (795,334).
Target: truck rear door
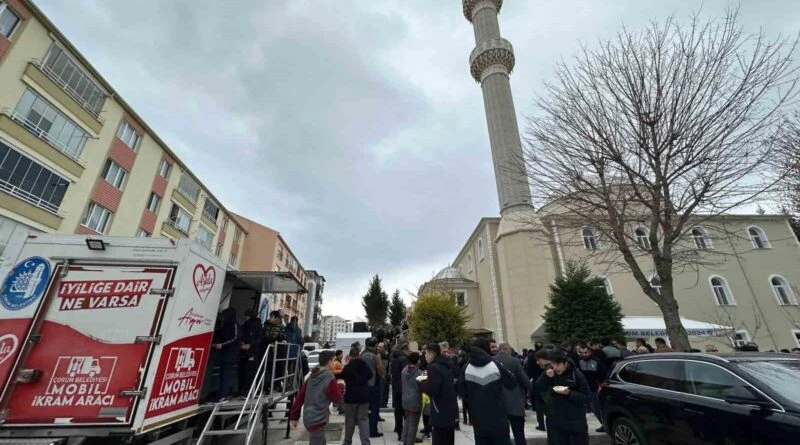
(90,344)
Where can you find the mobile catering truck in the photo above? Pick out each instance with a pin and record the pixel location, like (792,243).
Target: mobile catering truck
(106,340)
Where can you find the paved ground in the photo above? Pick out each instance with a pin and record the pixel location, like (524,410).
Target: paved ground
(463,437)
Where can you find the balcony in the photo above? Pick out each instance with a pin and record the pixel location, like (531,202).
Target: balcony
(180,197)
(49,81)
(171,228)
(37,139)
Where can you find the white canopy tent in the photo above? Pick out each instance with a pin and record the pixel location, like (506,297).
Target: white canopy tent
(653,326)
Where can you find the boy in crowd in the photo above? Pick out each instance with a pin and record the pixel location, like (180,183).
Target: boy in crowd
(317,393)
(412,399)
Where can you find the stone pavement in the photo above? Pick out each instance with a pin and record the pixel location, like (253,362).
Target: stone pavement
(464,437)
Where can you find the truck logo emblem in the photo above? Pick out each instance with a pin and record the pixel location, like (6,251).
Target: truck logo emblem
(204,278)
(8,345)
(25,283)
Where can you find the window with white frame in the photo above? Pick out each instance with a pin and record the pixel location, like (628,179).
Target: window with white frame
(589,239)
(204,237)
(8,21)
(44,120)
(655,283)
(114,174)
(701,239)
(154,202)
(480,249)
(722,292)
(71,77)
(783,291)
(232,259)
(96,218)
(642,238)
(740,338)
(211,209)
(188,188)
(128,135)
(461,297)
(180,219)
(237,235)
(218,250)
(163,168)
(141,233)
(607,285)
(758,237)
(29,180)
(796,335)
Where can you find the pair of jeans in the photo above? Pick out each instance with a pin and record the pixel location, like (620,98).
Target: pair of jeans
(317,437)
(517,429)
(374,407)
(356,414)
(443,436)
(227,372)
(409,434)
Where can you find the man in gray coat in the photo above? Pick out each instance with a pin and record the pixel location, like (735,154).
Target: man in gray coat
(514,398)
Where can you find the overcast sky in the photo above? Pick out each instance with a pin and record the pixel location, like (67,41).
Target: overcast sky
(351,127)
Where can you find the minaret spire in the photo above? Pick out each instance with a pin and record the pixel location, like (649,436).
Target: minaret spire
(491,62)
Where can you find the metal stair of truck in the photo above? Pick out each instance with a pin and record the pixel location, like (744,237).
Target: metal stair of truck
(48,441)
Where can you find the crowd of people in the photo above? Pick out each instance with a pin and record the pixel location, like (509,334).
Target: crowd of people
(495,383)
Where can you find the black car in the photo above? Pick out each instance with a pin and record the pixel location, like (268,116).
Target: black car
(692,398)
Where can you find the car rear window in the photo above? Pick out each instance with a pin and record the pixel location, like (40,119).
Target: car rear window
(782,375)
(664,374)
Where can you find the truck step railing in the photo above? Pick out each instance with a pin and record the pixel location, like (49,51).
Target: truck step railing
(277,377)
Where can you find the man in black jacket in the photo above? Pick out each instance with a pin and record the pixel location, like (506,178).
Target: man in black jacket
(514,397)
(356,375)
(565,392)
(481,388)
(439,387)
(249,355)
(396,366)
(226,346)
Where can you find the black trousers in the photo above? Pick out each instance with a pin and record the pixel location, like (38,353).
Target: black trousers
(518,429)
(538,404)
(559,436)
(492,439)
(443,436)
(399,414)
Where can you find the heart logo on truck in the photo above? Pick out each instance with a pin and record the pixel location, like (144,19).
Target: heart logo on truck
(8,345)
(204,278)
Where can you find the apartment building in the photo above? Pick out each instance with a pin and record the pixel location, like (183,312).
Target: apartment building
(332,325)
(266,250)
(76,158)
(316,285)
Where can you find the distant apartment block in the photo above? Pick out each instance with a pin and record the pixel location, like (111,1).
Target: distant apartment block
(331,326)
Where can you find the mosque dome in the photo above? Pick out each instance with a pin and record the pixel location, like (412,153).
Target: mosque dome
(449,273)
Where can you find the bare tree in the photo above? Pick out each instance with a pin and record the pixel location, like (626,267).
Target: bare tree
(661,129)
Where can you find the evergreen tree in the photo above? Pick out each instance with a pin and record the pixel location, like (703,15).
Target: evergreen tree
(437,317)
(375,304)
(397,310)
(581,308)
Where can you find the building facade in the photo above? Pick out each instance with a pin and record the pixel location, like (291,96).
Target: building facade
(76,158)
(739,285)
(332,325)
(316,286)
(266,250)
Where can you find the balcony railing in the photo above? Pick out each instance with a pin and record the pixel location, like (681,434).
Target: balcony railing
(28,197)
(172,222)
(210,217)
(53,76)
(42,134)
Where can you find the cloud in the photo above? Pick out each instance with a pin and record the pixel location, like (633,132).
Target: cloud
(353,128)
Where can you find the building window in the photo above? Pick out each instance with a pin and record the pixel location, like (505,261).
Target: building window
(218,250)
(607,285)
(783,292)
(189,188)
(480,249)
(796,335)
(30,181)
(280,253)
(204,237)
(469,262)
(8,21)
(237,235)
(141,233)
(758,237)
(180,219)
(114,174)
(232,259)
(655,283)
(154,202)
(722,292)
(589,239)
(642,238)
(701,238)
(163,168)
(211,210)
(97,218)
(128,135)
(740,338)
(72,78)
(46,122)
(224,224)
